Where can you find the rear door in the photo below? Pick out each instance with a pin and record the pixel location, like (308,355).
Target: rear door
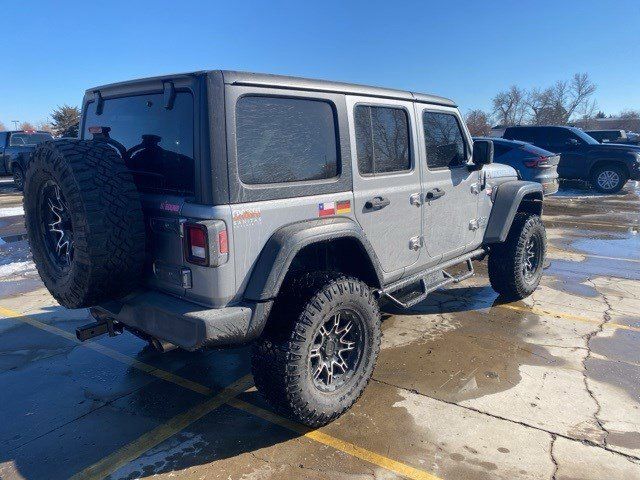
(450,187)
(386,178)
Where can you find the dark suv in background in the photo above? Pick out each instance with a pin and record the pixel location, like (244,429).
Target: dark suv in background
(606,166)
(15,148)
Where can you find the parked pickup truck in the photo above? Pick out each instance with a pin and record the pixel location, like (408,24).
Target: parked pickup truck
(15,149)
(606,166)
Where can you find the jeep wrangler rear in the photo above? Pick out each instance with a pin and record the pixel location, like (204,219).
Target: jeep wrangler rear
(222,208)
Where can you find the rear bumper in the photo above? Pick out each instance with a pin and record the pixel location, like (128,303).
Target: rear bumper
(186,324)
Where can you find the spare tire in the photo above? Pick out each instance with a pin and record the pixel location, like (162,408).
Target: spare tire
(84,222)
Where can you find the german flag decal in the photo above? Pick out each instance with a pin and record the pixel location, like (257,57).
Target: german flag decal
(343,206)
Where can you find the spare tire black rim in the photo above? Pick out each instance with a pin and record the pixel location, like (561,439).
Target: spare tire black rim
(336,351)
(532,258)
(56,226)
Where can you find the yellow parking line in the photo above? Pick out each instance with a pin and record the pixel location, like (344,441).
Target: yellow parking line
(155,437)
(336,443)
(150,439)
(568,316)
(579,223)
(591,255)
(132,362)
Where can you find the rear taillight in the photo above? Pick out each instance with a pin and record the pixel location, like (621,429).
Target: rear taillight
(538,162)
(206,243)
(197,243)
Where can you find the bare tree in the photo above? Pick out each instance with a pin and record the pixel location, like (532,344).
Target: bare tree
(45,127)
(2,127)
(26,126)
(565,100)
(478,123)
(629,114)
(510,107)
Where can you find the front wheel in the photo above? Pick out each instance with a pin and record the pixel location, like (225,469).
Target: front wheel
(319,349)
(608,179)
(515,266)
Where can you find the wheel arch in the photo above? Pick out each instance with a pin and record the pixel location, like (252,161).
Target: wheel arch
(603,162)
(510,198)
(314,244)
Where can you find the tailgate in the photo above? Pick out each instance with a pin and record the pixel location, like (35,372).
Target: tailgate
(166,268)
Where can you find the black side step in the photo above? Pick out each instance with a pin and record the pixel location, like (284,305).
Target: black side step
(430,280)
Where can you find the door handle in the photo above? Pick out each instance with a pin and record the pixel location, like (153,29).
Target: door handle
(435,193)
(377,203)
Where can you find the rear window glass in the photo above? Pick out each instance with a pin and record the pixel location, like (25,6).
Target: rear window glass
(283,140)
(443,140)
(28,139)
(382,140)
(159,141)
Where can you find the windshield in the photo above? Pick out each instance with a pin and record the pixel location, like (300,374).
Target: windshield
(583,136)
(28,139)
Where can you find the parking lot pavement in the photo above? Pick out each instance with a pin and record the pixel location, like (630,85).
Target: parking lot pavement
(466,387)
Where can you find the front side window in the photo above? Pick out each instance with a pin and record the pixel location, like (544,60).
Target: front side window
(382,140)
(283,140)
(444,142)
(159,141)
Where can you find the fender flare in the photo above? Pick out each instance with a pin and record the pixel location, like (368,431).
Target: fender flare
(507,200)
(280,250)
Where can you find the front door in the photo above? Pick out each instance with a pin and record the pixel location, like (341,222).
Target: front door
(572,151)
(450,188)
(386,178)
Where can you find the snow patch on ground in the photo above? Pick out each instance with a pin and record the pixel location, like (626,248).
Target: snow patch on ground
(14,268)
(11,212)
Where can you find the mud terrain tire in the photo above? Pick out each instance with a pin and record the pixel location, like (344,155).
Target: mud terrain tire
(18,177)
(94,252)
(284,360)
(515,266)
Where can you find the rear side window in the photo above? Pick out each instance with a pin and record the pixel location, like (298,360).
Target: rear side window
(159,141)
(443,140)
(285,140)
(500,149)
(525,134)
(382,140)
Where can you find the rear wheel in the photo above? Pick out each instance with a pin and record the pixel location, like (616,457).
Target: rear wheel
(608,178)
(319,349)
(18,177)
(515,266)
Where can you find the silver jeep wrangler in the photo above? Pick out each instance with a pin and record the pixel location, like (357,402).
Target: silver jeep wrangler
(221,208)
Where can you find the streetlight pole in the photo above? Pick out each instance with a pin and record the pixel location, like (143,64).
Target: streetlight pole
(15,124)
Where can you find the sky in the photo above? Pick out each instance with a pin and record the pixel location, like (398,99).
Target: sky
(467,51)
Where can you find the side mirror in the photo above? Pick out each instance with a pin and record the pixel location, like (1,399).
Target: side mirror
(482,153)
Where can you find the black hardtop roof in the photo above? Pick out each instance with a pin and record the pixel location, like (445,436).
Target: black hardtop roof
(292,83)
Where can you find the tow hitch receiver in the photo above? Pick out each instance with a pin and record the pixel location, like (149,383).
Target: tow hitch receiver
(98,328)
